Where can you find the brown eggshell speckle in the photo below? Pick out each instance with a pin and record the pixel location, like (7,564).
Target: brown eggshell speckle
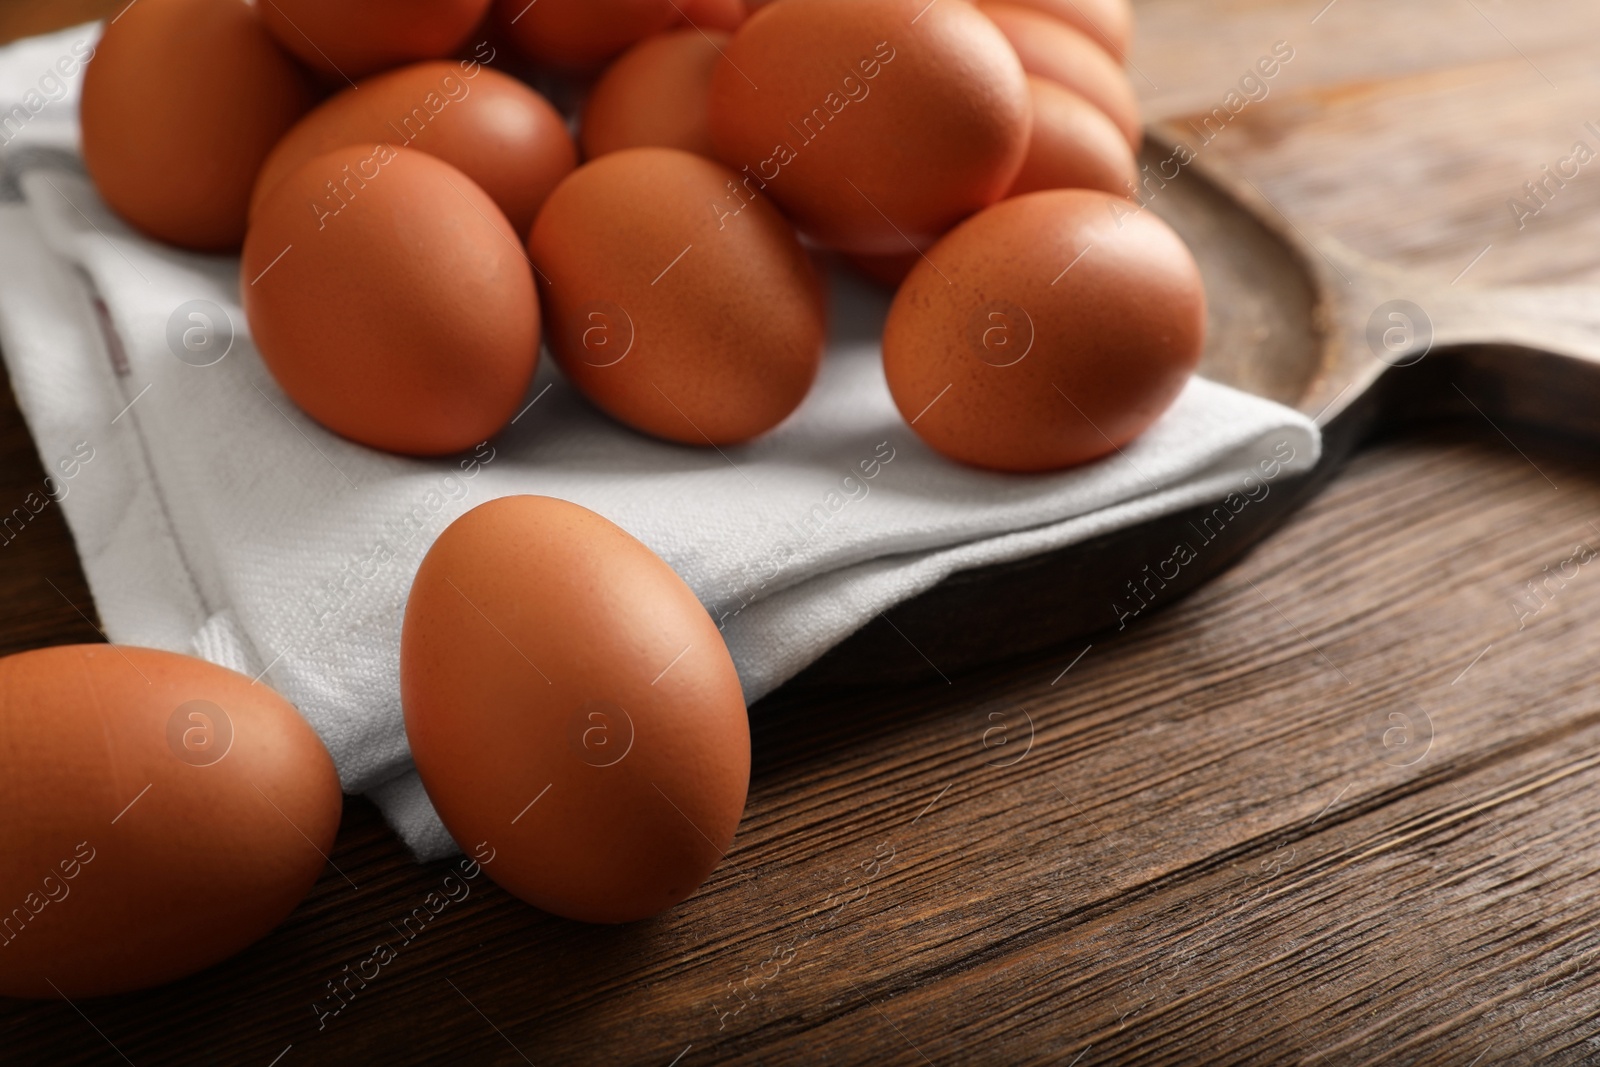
(397,309)
(572,710)
(181,103)
(1051,49)
(657,94)
(1074,145)
(1047,331)
(581,34)
(349,39)
(491,127)
(678,303)
(158,814)
(876,124)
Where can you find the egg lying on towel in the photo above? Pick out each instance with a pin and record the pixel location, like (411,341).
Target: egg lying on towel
(1109,23)
(679,301)
(1046,331)
(1049,48)
(390,298)
(572,710)
(181,103)
(1074,145)
(157,814)
(582,34)
(657,94)
(876,124)
(345,39)
(491,127)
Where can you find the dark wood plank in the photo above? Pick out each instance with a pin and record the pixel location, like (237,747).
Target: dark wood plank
(1403,130)
(41,585)
(1453,923)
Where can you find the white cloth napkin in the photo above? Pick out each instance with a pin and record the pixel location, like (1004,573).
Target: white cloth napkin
(212,517)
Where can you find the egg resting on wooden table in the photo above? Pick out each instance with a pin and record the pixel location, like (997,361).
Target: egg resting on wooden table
(158,814)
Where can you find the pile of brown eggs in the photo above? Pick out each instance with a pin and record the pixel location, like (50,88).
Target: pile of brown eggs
(408,240)
(414,223)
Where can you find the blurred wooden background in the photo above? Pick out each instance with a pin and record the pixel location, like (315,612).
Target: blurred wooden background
(1206,852)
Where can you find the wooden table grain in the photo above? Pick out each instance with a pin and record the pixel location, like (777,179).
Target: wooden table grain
(1338,807)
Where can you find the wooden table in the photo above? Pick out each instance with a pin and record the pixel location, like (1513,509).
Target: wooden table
(1339,807)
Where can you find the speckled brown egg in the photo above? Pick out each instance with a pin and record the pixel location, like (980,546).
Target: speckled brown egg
(491,127)
(1074,145)
(678,300)
(655,95)
(581,34)
(181,103)
(1045,331)
(349,39)
(391,300)
(158,814)
(572,710)
(875,124)
(1051,49)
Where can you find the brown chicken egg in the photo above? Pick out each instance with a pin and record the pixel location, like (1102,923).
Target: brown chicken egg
(581,34)
(876,124)
(349,39)
(677,298)
(1108,23)
(1074,145)
(158,814)
(391,300)
(181,102)
(572,711)
(1051,49)
(655,95)
(1045,331)
(491,127)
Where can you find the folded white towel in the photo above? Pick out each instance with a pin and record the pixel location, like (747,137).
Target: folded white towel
(213,517)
